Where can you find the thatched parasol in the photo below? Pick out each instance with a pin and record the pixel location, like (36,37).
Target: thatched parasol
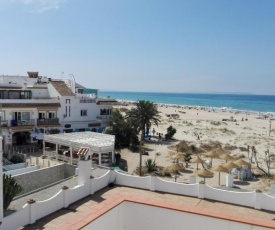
(178,156)
(211,154)
(258,172)
(197,160)
(242,162)
(204,173)
(227,157)
(230,165)
(219,169)
(175,168)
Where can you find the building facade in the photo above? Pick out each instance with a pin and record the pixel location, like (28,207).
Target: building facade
(33,105)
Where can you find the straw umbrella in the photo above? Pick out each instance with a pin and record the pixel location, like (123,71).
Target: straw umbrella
(204,173)
(178,156)
(211,154)
(230,165)
(227,157)
(197,160)
(242,162)
(219,169)
(175,168)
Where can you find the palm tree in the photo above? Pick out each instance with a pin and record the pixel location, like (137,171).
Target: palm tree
(143,115)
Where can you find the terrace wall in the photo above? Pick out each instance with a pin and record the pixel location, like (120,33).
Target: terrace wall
(32,212)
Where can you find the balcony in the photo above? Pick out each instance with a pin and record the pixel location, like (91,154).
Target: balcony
(4,123)
(104,117)
(50,121)
(15,123)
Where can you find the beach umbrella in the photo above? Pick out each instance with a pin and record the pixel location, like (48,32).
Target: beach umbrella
(175,168)
(197,160)
(204,173)
(227,157)
(242,162)
(178,156)
(230,165)
(258,172)
(211,154)
(219,169)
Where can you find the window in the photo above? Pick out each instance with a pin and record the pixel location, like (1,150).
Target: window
(41,115)
(83,112)
(68,101)
(21,116)
(52,115)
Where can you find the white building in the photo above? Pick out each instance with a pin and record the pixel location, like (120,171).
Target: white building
(33,105)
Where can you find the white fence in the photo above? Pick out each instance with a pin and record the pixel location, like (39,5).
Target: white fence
(36,210)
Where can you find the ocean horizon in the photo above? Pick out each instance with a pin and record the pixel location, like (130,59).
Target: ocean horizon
(245,102)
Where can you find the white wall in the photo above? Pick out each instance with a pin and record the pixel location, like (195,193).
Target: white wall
(43,208)
(133,216)
(137,217)
(176,188)
(17,219)
(240,198)
(21,171)
(15,166)
(101,182)
(133,181)
(78,192)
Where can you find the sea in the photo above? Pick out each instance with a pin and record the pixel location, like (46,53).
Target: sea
(262,104)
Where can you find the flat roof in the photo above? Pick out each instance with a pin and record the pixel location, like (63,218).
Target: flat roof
(98,142)
(82,212)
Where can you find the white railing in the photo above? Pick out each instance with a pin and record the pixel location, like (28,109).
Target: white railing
(60,157)
(36,210)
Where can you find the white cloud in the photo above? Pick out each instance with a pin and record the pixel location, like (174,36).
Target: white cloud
(42,5)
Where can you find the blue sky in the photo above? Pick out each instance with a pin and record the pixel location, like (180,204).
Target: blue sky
(143,45)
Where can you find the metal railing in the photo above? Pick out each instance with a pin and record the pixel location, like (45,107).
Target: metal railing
(87,100)
(30,122)
(54,155)
(53,121)
(104,117)
(6,161)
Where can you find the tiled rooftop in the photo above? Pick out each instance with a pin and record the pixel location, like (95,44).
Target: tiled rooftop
(82,212)
(62,88)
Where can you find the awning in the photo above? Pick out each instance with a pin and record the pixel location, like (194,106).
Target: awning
(38,136)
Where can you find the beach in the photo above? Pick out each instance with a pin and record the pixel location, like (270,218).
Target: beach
(234,131)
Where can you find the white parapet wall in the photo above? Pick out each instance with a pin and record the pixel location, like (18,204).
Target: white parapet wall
(66,196)
(133,181)
(21,171)
(232,197)
(176,188)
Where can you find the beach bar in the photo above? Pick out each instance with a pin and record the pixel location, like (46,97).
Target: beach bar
(64,146)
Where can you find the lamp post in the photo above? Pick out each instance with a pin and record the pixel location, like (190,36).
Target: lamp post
(1,179)
(269,127)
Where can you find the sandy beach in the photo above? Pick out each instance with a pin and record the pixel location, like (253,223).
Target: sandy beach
(234,136)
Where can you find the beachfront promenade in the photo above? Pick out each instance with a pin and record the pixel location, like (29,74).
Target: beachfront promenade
(35,210)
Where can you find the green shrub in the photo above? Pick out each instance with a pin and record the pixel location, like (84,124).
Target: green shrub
(170,132)
(10,190)
(18,158)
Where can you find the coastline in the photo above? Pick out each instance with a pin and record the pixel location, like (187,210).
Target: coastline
(207,108)
(256,104)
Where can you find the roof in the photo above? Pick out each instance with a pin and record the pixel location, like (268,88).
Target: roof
(28,105)
(79,86)
(97,142)
(109,197)
(62,88)
(83,152)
